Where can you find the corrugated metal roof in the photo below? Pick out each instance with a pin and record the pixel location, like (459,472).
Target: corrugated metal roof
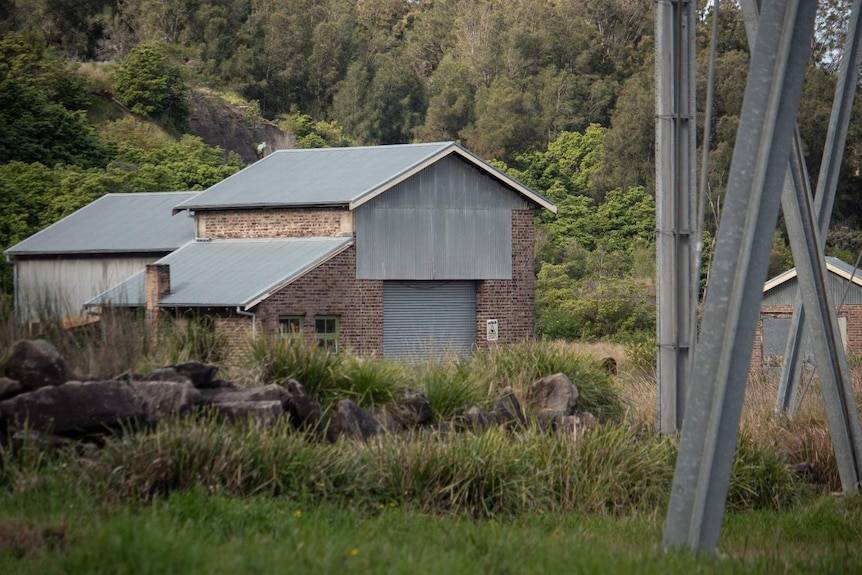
(834,265)
(116,223)
(228,273)
(340,176)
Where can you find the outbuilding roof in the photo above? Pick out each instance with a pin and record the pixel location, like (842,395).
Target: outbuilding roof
(834,265)
(336,176)
(228,273)
(115,223)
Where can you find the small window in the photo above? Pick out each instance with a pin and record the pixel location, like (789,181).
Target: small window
(290,326)
(326,332)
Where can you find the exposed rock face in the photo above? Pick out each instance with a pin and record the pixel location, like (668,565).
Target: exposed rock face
(551,398)
(352,422)
(474,420)
(74,408)
(9,388)
(165,398)
(35,363)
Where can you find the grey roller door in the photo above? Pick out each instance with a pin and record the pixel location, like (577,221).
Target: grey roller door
(425,318)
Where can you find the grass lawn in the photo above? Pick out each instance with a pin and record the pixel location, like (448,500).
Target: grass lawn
(192,532)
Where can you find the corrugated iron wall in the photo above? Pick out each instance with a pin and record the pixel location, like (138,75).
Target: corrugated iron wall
(448,222)
(785,293)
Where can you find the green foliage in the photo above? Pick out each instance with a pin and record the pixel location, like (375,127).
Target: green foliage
(311,134)
(41,98)
(450,386)
(148,84)
(280,359)
(591,307)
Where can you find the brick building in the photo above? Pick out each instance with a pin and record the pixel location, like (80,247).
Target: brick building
(400,251)
(845,290)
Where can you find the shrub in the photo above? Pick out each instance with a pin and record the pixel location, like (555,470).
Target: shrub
(151,86)
(280,359)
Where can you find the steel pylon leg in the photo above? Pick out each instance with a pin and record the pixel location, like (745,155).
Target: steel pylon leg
(714,405)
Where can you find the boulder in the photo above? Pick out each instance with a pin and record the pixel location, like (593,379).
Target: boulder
(507,410)
(271,392)
(352,422)
(162,399)
(474,420)
(74,408)
(609,365)
(9,388)
(574,425)
(161,374)
(303,409)
(264,413)
(411,412)
(202,375)
(35,363)
(551,397)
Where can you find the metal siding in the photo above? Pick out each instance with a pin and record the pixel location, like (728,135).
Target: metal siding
(785,294)
(449,222)
(64,285)
(422,319)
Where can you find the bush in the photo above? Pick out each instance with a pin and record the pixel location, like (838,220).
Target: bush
(149,85)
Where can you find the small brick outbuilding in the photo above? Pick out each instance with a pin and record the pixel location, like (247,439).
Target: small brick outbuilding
(845,289)
(401,251)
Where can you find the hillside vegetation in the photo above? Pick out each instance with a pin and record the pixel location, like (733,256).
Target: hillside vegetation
(143,95)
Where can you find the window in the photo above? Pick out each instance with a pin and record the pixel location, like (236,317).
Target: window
(326,332)
(290,326)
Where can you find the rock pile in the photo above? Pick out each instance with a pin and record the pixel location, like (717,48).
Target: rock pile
(42,398)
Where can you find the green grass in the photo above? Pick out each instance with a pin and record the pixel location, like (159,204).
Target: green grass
(192,532)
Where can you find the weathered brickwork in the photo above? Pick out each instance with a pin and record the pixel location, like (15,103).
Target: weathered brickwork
(274,223)
(332,289)
(854,332)
(511,302)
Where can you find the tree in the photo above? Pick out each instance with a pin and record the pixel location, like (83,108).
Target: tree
(151,86)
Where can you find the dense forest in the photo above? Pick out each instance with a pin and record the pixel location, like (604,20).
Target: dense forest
(101,96)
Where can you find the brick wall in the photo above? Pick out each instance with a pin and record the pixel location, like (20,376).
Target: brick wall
(332,289)
(854,331)
(274,223)
(511,302)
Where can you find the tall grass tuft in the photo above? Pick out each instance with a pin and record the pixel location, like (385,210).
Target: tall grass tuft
(450,385)
(280,359)
(369,381)
(519,365)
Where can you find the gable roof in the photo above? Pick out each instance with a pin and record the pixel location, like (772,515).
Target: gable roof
(337,176)
(228,273)
(115,223)
(834,265)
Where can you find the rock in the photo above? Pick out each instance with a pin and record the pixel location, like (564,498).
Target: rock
(271,392)
(303,409)
(587,419)
(474,420)
(9,388)
(35,363)
(40,439)
(202,375)
(352,422)
(162,399)
(411,412)
(74,408)
(551,397)
(162,374)
(507,410)
(264,413)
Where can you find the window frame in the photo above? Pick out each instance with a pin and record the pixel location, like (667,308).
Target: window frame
(329,340)
(286,320)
